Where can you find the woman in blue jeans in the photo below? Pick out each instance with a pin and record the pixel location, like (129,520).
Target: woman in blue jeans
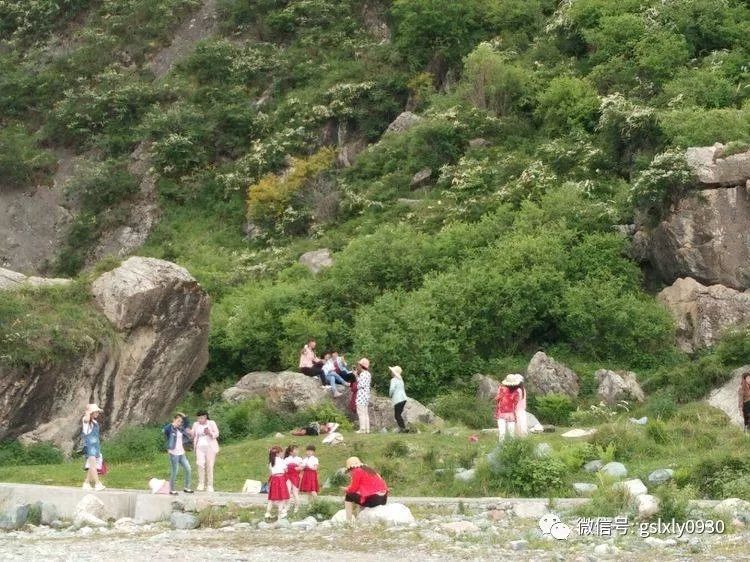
(178,433)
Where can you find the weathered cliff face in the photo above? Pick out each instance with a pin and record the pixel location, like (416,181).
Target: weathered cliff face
(703,314)
(706,236)
(160,317)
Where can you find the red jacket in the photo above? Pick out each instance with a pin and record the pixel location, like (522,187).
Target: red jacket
(353,396)
(366,484)
(507,400)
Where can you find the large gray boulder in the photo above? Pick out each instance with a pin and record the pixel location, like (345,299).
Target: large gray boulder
(703,237)
(316,260)
(14,517)
(137,373)
(391,515)
(712,167)
(403,122)
(486,386)
(290,392)
(618,385)
(702,313)
(726,399)
(544,375)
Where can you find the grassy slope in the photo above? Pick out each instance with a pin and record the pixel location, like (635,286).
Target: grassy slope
(682,443)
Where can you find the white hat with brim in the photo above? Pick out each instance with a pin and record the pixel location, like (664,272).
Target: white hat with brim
(364,363)
(512,380)
(91,408)
(396,370)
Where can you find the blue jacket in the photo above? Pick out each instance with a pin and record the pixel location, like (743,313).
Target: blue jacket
(171,434)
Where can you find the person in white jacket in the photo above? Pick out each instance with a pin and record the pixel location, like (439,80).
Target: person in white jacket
(206,446)
(397,392)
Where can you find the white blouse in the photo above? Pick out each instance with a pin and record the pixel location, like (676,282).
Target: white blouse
(297,461)
(279,467)
(310,462)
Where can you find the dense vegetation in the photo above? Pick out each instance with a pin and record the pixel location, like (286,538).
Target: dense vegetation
(543,125)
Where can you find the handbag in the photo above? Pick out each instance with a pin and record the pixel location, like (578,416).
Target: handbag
(103,469)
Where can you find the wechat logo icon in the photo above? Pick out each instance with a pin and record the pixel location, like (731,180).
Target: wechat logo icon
(551,525)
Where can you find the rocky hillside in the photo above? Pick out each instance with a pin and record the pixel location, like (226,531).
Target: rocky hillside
(449,186)
(148,343)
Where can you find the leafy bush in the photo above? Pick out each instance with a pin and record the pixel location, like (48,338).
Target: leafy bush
(674,502)
(607,501)
(568,103)
(733,349)
(661,405)
(628,442)
(663,183)
(554,408)
(691,380)
(21,161)
(513,469)
(700,127)
(269,198)
(134,443)
(711,474)
(321,509)
(13,453)
(464,407)
(396,450)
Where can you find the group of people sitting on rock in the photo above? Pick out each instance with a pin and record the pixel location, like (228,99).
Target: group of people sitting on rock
(332,370)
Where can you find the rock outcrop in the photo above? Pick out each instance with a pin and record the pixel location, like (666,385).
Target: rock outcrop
(705,235)
(618,385)
(316,260)
(403,122)
(544,375)
(725,397)
(702,313)
(158,347)
(290,392)
(14,280)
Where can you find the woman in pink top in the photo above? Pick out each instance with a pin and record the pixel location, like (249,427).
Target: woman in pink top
(310,364)
(205,435)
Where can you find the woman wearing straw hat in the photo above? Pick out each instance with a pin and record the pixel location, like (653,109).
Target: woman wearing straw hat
(508,397)
(91,446)
(367,488)
(364,379)
(397,392)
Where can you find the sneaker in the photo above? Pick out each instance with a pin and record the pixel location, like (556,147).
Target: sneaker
(336,394)
(210,489)
(359,431)
(187,490)
(173,493)
(99,487)
(200,488)
(87,486)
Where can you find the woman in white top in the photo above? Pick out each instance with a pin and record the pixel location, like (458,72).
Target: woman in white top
(278,492)
(205,435)
(91,446)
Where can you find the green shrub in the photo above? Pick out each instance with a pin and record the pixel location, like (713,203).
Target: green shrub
(396,450)
(22,163)
(661,405)
(733,349)
(700,127)
(325,412)
(691,380)
(674,502)
(656,430)
(321,509)
(513,469)
(737,487)
(554,409)
(711,474)
(568,103)
(134,443)
(98,186)
(627,440)
(464,407)
(607,501)
(667,179)
(43,453)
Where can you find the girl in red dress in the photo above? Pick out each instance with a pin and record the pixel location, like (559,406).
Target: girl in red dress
(309,469)
(278,492)
(293,461)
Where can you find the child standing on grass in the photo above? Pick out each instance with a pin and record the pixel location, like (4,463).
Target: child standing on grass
(278,492)
(309,467)
(293,467)
(508,397)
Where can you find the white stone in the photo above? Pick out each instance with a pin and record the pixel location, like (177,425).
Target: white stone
(460,527)
(317,260)
(614,469)
(647,505)
(633,487)
(390,514)
(585,488)
(85,519)
(573,433)
(661,476)
(94,506)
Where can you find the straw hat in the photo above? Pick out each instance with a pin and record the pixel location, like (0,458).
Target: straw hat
(364,363)
(353,462)
(396,370)
(91,408)
(512,380)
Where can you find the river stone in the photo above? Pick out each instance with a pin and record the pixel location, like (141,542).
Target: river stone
(725,397)
(460,527)
(735,508)
(48,512)
(85,519)
(94,506)
(661,476)
(647,505)
(518,544)
(593,466)
(466,475)
(182,520)
(544,375)
(14,517)
(584,488)
(391,514)
(634,487)
(614,470)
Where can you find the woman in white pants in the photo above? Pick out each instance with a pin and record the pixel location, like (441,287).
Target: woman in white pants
(508,396)
(364,380)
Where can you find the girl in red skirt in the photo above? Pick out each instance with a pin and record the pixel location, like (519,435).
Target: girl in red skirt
(278,492)
(293,462)
(309,484)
